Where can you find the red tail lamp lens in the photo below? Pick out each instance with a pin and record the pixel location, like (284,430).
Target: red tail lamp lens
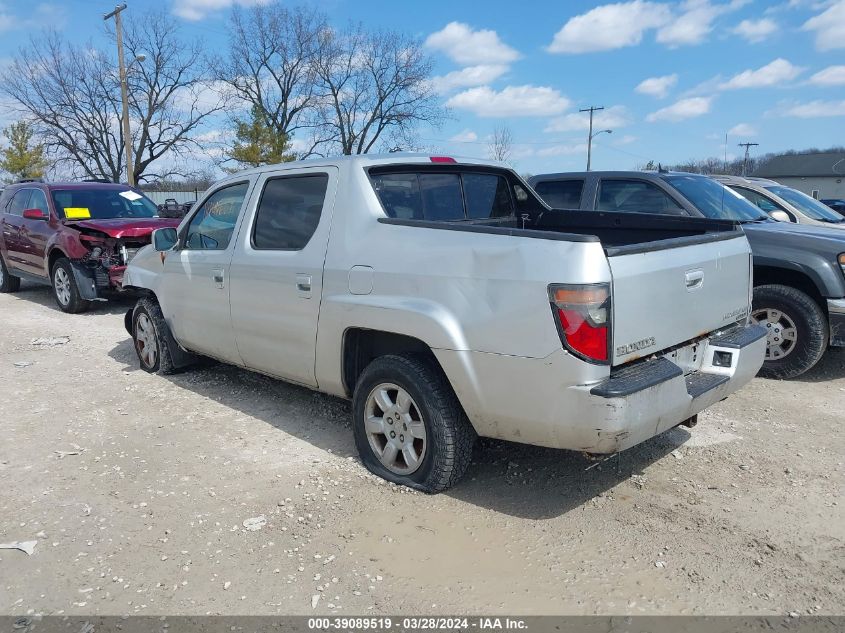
(583,313)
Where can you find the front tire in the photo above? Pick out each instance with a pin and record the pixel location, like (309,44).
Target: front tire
(409,426)
(797,327)
(148,328)
(8,282)
(65,290)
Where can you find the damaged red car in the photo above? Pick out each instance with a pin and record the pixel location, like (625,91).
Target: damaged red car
(77,237)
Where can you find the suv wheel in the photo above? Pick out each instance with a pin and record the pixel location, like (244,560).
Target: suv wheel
(8,283)
(797,326)
(148,329)
(409,426)
(65,289)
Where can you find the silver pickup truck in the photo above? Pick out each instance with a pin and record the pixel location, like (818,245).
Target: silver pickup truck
(448,301)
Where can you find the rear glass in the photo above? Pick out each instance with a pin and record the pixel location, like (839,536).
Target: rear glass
(561,194)
(443,196)
(807,205)
(102,204)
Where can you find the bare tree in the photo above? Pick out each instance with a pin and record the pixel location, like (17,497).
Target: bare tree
(501,144)
(373,87)
(72,94)
(270,65)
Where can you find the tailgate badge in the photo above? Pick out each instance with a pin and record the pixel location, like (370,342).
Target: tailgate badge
(645,343)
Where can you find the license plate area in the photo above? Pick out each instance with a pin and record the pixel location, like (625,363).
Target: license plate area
(689,358)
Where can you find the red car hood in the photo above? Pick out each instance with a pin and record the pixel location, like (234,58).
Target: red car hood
(125,227)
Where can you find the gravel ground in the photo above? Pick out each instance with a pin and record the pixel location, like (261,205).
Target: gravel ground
(219,491)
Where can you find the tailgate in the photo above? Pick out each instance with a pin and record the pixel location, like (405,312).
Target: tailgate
(666,294)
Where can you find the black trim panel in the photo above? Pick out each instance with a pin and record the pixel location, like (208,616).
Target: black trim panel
(675,242)
(837,329)
(699,383)
(637,378)
(491,230)
(740,337)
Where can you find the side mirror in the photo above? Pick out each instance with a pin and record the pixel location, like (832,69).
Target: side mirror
(165,239)
(780,216)
(35,214)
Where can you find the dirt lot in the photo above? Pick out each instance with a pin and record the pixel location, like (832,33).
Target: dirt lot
(136,489)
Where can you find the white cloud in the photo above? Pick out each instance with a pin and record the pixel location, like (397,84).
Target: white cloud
(829,27)
(467,136)
(681,110)
(694,23)
(467,77)
(830,76)
(195,10)
(814,109)
(609,27)
(627,139)
(464,45)
(772,74)
(657,86)
(613,117)
(755,30)
(742,129)
(511,101)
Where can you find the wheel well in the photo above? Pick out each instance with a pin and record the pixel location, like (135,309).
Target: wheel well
(765,275)
(55,254)
(362,346)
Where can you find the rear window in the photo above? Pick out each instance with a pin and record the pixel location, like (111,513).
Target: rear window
(561,194)
(443,196)
(102,204)
(636,196)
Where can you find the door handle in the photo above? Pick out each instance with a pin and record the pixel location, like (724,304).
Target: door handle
(303,285)
(694,279)
(219,278)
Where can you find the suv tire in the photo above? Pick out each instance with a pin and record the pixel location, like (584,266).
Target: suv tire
(798,330)
(431,425)
(148,338)
(65,290)
(8,283)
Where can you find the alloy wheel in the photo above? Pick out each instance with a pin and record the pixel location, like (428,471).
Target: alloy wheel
(146,342)
(395,429)
(61,283)
(781,329)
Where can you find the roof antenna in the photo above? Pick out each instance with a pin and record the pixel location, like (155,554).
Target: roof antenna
(661,169)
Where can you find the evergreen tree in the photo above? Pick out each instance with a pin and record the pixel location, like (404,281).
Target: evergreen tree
(22,158)
(258,143)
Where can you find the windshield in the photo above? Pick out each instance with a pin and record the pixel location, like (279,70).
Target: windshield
(715,200)
(805,204)
(102,204)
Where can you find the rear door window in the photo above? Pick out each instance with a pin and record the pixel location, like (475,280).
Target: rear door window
(18,202)
(636,196)
(289,212)
(561,194)
(444,196)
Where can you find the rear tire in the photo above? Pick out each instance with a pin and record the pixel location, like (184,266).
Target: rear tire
(797,326)
(419,406)
(8,282)
(65,290)
(148,337)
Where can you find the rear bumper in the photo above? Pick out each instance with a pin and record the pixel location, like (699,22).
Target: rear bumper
(836,312)
(533,401)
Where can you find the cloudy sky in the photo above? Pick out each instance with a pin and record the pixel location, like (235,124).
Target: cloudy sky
(673,77)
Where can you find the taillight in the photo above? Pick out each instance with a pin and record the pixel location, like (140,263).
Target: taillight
(582,312)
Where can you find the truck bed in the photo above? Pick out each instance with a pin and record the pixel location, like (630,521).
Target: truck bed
(619,233)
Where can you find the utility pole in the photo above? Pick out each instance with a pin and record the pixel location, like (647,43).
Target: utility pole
(127,141)
(747,146)
(591,109)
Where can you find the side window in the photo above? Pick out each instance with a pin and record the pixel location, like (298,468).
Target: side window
(38,201)
(212,226)
(289,212)
(487,196)
(636,196)
(762,202)
(561,194)
(18,202)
